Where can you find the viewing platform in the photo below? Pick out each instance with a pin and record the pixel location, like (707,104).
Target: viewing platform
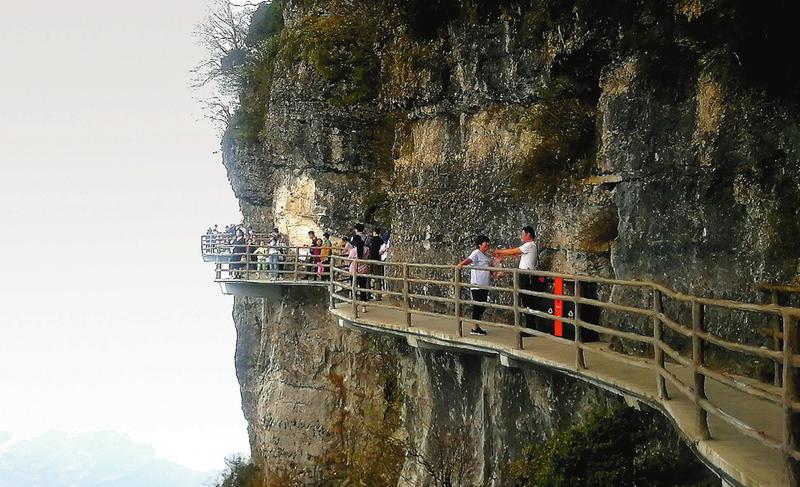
(246,271)
(636,339)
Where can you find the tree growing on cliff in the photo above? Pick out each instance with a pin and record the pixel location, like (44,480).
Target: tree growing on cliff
(224,35)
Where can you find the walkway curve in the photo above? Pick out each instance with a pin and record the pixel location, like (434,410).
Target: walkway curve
(737,459)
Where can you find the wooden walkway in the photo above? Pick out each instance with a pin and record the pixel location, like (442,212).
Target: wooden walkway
(734,456)
(746,430)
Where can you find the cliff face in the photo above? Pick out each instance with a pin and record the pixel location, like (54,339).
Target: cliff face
(641,141)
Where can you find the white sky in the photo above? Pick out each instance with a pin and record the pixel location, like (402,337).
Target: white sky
(108,317)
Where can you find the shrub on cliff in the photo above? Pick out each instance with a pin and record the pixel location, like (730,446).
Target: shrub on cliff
(242,472)
(614,447)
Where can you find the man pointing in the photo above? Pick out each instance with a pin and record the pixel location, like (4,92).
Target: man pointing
(529,259)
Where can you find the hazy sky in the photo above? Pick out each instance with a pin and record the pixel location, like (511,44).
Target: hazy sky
(108,317)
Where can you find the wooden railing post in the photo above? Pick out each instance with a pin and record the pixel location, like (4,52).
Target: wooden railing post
(406,308)
(517,320)
(698,356)
(296,262)
(658,352)
(775,325)
(457,292)
(580,360)
(791,419)
(354,288)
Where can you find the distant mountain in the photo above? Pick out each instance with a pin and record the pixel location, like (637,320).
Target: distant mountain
(99,459)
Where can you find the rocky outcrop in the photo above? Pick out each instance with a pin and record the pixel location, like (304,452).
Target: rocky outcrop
(634,137)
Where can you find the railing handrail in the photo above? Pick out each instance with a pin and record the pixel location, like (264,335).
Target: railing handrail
(644,284)
(789,356)
(781,288)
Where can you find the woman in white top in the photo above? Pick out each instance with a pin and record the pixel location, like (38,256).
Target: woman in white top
(479,258)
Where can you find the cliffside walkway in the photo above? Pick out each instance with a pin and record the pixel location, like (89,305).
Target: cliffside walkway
(719,393)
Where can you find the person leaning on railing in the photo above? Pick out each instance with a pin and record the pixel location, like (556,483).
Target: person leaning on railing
(529,260)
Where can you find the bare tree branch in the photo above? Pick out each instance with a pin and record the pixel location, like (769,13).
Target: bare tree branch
(223,33)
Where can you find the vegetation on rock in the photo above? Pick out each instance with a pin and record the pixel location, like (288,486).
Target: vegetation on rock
(612,447)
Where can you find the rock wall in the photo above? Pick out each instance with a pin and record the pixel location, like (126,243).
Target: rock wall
(642,141)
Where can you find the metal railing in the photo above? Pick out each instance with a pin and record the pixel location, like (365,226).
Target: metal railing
(274,263)
(216,244)
(655,318)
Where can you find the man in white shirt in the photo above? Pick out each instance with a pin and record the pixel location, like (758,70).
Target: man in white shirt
(477,277)
(529,259)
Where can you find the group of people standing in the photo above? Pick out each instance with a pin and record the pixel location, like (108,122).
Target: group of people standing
(268,255)
(360,246)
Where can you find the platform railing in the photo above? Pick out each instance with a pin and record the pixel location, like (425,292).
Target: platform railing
(216,244)
(656,318)
(778,294)
(274,263)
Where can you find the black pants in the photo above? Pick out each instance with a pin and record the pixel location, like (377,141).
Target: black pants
(362,283)
(530,283)
(481,295)
(377,283)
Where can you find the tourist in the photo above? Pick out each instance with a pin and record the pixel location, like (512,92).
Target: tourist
(344,247)
(319,267)
(261,253)
(315,251)
(358,229)
(375,242)
(359,251)
(529,260)
(250,256)
(237,252)
(325,255)
(274,253)
(478,277)
(384,251)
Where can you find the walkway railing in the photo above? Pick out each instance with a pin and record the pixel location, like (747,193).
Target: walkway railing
(778,294)
(273,263)
(216,244)
(669,327)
